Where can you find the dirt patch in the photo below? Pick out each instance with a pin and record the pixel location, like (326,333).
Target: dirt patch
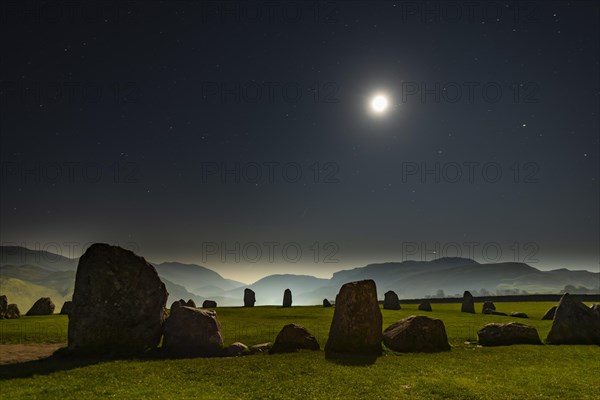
(16,353)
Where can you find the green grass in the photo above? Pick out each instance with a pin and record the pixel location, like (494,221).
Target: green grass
(467,372)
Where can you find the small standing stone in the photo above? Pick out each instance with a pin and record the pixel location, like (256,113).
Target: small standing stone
(326,303)
(425,306)
(287,298)
(468,304)
(249,298)
(488,305)
(391,301)
(44,306)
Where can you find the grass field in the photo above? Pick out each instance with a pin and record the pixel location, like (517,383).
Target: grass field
(467,372)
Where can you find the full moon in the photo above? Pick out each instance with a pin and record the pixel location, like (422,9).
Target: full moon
(379,104)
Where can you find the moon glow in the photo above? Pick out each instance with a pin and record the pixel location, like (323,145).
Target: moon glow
(379,104)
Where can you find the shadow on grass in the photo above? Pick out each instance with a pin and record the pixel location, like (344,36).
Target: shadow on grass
(351,359)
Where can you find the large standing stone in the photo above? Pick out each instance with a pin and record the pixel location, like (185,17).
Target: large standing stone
(425,306)
(66,308)
(468,305)
(508,334)
(294,337)
(416,334)
(488,305)
(118,302)
(574,323)
(249,298)
(209,304)
(549,314)
(326,303)
(43,306)
(356,324)
(193,332)
(12,312)
(391,301)
(3,306)
(287,298)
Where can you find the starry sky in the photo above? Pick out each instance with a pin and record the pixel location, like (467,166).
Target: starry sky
(238,135)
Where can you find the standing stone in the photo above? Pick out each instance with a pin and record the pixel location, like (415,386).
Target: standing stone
(508,334)
(425,306)
(12,312)
(326,303)
(574,323)
(416,334)
(118,302)
(468,305)
(287,298)
(249,298)
(391,301)
(177,303)
(66,308)
(294,337)
(190,303)
(43,306)
(3,306)
(488,305)
(549,314)
(209,304)
(356,324)
(193,332)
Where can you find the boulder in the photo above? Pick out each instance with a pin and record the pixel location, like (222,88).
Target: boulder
(66,308)
(118,302)
(425,306)
(190,303)
(3,306)
(287,298)
(294,337)
(416,334)
(356,324)
(249,298)
(508,334)
(574,323)
(12,312)
(391,301)
(488,305)
(468,304)
(193,332)
(177,303)
(260,348)
(549,314)
(43,306)
(209,304)
(326,303)
(518,315)
(237,349)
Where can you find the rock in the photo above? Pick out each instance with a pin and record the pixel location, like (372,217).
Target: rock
(249,298)
(356,324)
(416,334)
(12,312)
(468,305)
(260,348)
(287,298)
(118,302)
(326,303)
(518,315)
(190,303)
(549,314)
(391,301)
(66,308)
(177,303)
(574,323)
(488,305)
(508,334)
(294,337)
(498,313)
(209,304)
(193,332)
(237,349)
(3,306)
(425,306)
(43,306)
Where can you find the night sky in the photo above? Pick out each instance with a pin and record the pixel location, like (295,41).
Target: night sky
(234,134)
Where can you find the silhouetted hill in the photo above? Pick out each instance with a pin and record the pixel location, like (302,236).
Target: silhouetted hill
(195,277)
(15,255)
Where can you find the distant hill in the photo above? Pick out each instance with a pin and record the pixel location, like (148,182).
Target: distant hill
(15,255)
(46,274)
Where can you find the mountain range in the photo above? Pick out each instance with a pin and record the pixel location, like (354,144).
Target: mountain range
(26,275)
